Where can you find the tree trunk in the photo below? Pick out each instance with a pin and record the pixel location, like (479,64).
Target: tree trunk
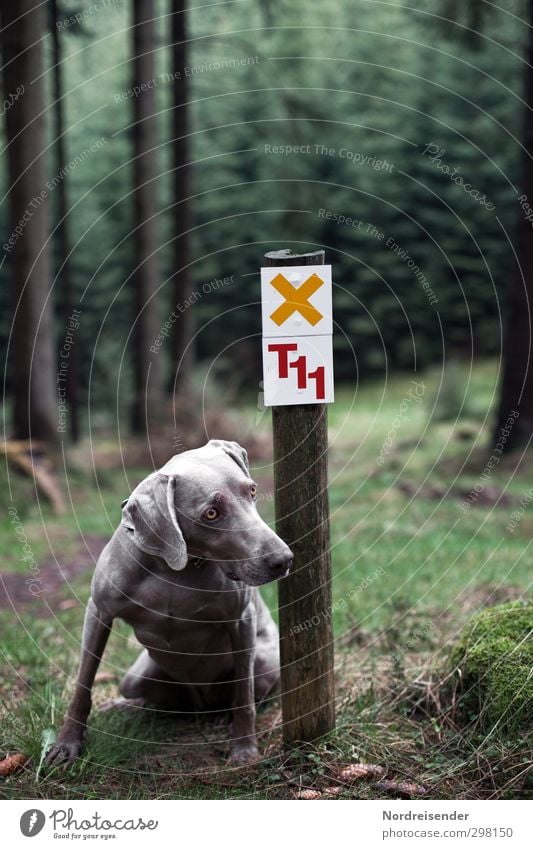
(516,393)
(183,327)
(62,229)
(34,373)
(147,369)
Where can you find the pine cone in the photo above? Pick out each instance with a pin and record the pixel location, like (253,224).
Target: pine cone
(403,788)
(308,794)
(356,771)
(333,791)
(12,763)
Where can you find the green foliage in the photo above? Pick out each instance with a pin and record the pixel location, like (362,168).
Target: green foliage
(495,657)
(353,85)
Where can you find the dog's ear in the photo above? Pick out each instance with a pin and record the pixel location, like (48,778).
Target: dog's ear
(235,451)
(150,516)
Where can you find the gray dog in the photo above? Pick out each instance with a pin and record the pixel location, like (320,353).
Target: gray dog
(183,569)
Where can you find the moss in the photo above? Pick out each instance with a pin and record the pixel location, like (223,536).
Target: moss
(494,662)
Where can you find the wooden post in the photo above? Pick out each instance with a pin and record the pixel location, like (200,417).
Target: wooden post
(302,520)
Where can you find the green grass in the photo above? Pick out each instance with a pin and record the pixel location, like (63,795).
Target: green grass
(409,570)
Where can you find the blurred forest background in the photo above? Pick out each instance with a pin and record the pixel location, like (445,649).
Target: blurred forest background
(170,147)
(153,152)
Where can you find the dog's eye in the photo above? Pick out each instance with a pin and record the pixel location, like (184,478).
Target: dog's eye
(253,491)
(211,514)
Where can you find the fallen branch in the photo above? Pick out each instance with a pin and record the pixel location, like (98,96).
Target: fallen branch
(30,457)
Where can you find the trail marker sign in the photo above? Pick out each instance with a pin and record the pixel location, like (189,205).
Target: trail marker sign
(296,306)
(298,372)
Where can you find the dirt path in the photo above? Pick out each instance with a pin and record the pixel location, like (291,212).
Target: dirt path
(51,580)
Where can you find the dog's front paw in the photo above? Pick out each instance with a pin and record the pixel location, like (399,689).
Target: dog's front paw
(242,755)
(64,752)
(125,705)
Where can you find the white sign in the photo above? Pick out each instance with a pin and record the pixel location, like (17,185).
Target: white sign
(297,318)
(297,370)
(296,300)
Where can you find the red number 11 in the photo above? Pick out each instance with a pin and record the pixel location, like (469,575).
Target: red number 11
(318,375)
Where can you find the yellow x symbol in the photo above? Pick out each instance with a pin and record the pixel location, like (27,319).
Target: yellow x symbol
(296,299)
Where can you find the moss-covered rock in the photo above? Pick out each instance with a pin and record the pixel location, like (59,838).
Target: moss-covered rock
(494,663)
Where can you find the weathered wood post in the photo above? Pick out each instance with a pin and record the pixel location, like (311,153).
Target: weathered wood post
(302,520)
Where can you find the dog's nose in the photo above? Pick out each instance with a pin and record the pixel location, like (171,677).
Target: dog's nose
(280,564)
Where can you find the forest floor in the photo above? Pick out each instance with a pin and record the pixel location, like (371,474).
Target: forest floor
(411,566)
